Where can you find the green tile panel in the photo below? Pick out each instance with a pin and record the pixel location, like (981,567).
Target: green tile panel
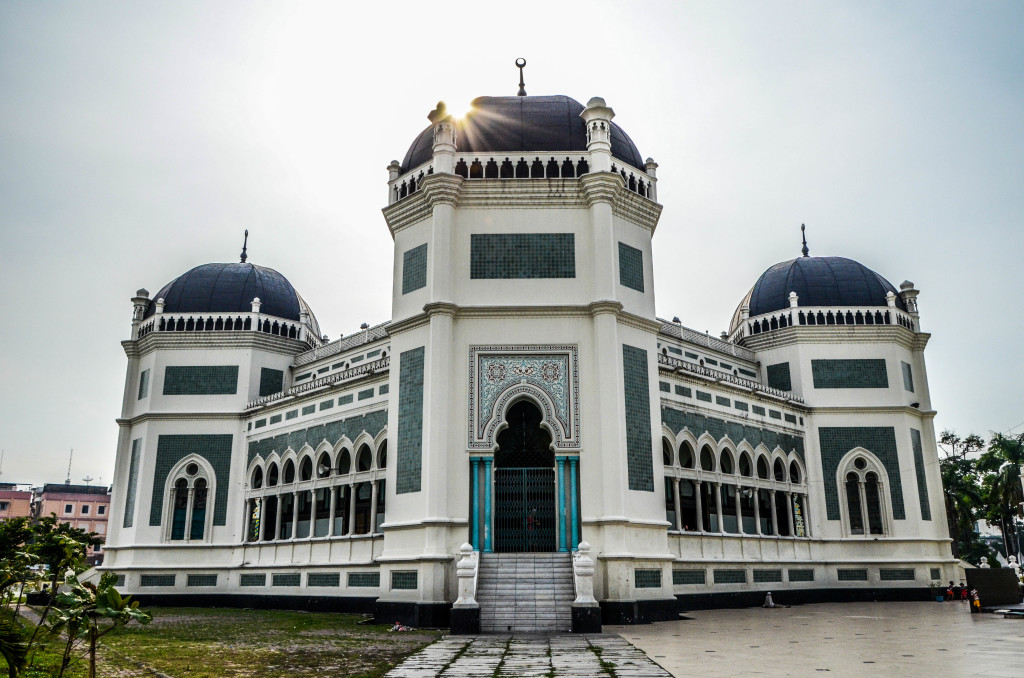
(835,441)
(846,574)
(637,394)
(200,379)
(252,580)
(849,373)
(896,574)
(936,573)
(414,269)
(371,422)
(647,579)
(384,389)
(684,391)
(711,361)
(676,351)
(779,377)
(286,579)
(119,582)
(133,483)
(276,419)
(757,409)
(664,387)
(767,576)
(346,399)
(705,397)
(364,579)
(724,402)
(688,577)
(741,406)
(323,579)
(143,384)
(801,575)
(697,424)
(271,381)
(326,404)
(308,409)
(409,454)
(404,580)
(365,394)
(774,414)
(691,356)
(260,423)
(373,353)
(291,414)
(201,580)
(631,267)
(730,576)
(908,376)
(748,373)
(522,255)
(922,481)
(170,449)
(791,418)
(156,580)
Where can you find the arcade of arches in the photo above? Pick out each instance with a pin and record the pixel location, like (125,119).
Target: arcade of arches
(344,497)
(722,493)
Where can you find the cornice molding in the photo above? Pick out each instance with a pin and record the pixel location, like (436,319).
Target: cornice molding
(205,341)
(837,334)
(875,409)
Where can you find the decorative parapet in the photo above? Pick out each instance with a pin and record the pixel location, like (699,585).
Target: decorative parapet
(366,368)
(546,165)
(337,346)
(467,571)
(714,375)
(227,322)
(702,339)
(844,316)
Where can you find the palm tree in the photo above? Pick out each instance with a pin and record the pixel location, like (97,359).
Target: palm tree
(962,493)
(1002,463)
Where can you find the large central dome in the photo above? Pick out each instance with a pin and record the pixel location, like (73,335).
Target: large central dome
(520,125)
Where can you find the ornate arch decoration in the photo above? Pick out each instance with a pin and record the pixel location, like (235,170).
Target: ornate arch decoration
(858,470)
(193,474)
(501,375)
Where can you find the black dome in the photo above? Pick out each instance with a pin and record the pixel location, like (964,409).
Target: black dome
(230,288)
(522,124)
(819,281)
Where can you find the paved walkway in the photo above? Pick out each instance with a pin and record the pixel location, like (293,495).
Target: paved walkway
(586,656)
(909,640)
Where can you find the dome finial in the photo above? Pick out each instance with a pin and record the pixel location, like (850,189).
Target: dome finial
(803,234)
(521,64)
(245,246)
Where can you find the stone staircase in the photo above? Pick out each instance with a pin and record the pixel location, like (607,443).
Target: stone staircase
(525,592)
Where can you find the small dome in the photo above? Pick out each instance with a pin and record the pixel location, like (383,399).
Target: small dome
(520,125)
(230,288)
(817,281)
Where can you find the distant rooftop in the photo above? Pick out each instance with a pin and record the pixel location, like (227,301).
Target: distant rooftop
(63,488)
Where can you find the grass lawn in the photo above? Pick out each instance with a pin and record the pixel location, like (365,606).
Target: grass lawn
(200,642)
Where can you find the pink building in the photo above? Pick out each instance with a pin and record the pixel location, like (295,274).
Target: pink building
(83,506)
(15,501)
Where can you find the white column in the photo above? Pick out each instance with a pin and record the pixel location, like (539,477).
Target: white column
(334,506)
(757,510)
(739,511)
(775,514)
(700,505)
(678,504)
(718,507)
(373,507)
(789,512)
(312,511)
(295,513)
(277,521)
(351,509)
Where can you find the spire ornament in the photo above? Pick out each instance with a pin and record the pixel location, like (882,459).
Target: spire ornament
(245,246)
(521,64)
(803,234)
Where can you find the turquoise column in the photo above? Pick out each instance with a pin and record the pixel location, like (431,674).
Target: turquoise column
(561,504)
(474,481)
(573,461)
(487,504)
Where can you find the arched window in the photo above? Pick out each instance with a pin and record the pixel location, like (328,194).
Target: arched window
(344,463)
(864,504)
(323,466)
(257,478)
(686,455)
(306,469)
(666,452)
(289,472)
(745,468)
(794,473)
(364,460)
(780,470)
(188,490)
(726,464)
(762,468)
(382,455)
(707,459)
(272,474)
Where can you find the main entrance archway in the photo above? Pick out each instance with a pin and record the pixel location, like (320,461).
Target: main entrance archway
(524,484)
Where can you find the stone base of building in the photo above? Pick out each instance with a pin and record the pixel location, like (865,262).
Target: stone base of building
(784,596)
(421,615)
(586,619)
(352,605)
(465,621)
(639,611)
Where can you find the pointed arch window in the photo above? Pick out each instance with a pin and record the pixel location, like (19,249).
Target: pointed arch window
(866,513)
(188,492)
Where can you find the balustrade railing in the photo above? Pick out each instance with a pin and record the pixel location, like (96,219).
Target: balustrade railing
(716,375)
(227,322)
(548,165)
(343,344)
(823,315)
(344,375)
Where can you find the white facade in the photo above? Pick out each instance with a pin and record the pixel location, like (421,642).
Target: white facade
(667,450)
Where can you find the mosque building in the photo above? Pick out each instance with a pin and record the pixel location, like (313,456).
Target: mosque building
(524,399)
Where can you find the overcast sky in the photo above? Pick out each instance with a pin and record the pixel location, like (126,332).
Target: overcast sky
(138,140)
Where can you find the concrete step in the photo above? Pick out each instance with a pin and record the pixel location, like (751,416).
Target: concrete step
(525,592)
